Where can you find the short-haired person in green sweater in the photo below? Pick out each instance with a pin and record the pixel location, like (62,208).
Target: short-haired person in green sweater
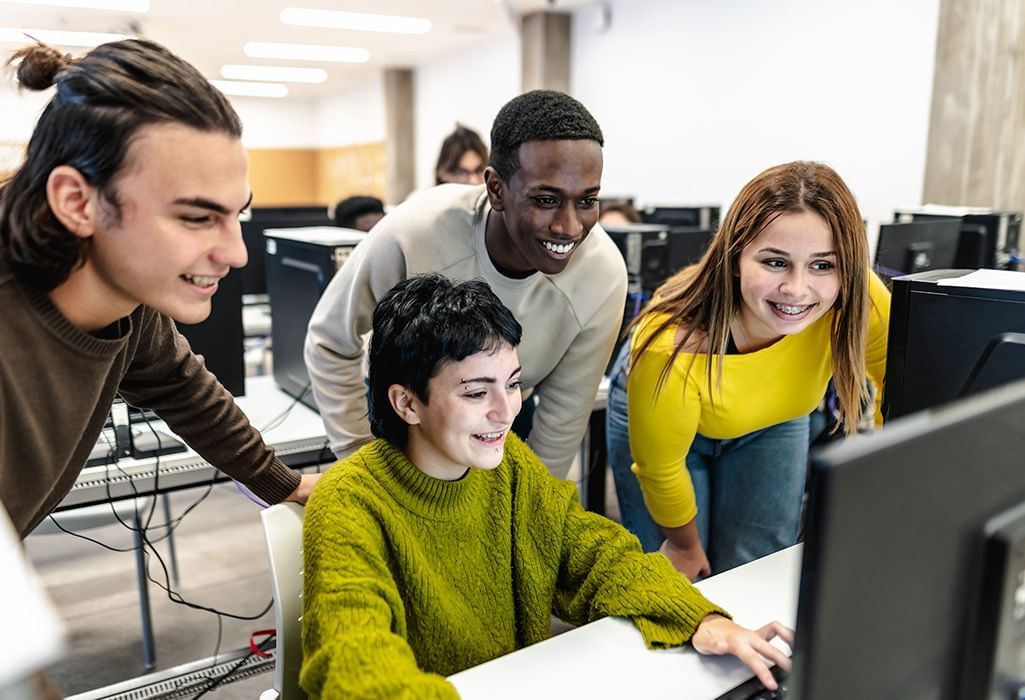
(446,542)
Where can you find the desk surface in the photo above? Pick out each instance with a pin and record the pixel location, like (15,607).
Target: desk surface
(608,659)
(293,430)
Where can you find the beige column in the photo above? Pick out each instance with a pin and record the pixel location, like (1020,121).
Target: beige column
(400,116)
(976,147)
(544,47)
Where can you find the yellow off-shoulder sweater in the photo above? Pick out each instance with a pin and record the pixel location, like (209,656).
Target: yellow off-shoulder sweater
(759,389)
(409,578)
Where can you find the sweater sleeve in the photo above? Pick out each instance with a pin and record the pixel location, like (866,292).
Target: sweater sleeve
(567,394)
(164,375)
(353,630)
(663,422)
(878,337)
(602,572)
(334,341)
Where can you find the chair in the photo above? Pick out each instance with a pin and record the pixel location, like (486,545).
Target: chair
(133,511)
(283,530)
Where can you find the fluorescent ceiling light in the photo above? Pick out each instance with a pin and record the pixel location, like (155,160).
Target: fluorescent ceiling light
(306,52)
(21,35)
(281,74)
(245,89)
(117,5)
(358,21)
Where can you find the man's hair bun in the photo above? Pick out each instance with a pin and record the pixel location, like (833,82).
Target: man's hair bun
(38,65)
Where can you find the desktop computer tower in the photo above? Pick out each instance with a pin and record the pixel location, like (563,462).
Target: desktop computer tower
(988,237)
(939,334)
(258,220)
(300,263)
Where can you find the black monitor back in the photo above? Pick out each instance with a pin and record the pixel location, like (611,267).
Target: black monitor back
(254,277)
(986,236)
(938,334)
(905,249)
(219,339)
(701,216)
(300,263)
(653,253)
(891,593)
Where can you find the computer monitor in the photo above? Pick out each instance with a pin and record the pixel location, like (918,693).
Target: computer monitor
(988,237)
(939,332)
(905,249)
(254,274)
(897,594)
(704,216)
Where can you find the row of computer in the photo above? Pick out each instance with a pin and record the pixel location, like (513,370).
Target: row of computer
(913,576)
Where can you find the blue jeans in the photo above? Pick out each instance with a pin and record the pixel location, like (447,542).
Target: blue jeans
(632,510)
(749,489)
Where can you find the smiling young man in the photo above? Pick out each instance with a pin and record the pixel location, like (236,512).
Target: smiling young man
(446,542)
(122,219)
(531,233)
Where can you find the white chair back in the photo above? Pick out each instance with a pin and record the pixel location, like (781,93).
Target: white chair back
(283,530)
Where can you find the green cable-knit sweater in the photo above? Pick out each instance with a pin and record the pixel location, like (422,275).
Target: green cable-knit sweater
(409,578)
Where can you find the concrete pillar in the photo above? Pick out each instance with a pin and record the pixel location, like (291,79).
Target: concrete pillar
(544,47)
(400,117)
(976,147)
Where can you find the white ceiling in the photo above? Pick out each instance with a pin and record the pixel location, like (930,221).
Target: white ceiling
(211,33)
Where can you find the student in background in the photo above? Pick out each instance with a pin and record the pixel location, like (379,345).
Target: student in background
(121,220)
(618,214)
(446,543)
(731,356)
(531,232)
(462,159)
(360,212)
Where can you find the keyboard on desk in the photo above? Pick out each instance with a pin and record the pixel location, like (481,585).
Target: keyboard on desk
(752,688)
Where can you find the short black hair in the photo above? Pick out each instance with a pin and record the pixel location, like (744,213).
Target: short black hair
(351,208)
(538,115)
(422,323)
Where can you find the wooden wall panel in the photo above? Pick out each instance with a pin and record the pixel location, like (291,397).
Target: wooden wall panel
(284,177)
(351,170)
(976,146)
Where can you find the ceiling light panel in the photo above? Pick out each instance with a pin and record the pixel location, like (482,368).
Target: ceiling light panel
(116,5)
(22,35)
(247,89)
(306,52)
(281,74)
(357,21)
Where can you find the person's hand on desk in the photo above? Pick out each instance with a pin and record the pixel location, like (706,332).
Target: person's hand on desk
(304,489)
(682,547)
(718,635)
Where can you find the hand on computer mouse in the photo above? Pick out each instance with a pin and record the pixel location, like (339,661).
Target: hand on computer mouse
(717,635)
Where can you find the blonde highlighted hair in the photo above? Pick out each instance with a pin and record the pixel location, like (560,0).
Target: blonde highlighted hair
(705,297)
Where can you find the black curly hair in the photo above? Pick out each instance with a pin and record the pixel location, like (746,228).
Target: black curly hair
(538,115)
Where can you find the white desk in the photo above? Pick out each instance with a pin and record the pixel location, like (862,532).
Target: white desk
(608,659)
(298,439)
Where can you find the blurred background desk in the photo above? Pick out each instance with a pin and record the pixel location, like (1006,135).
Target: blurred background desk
(608,658)
(293,430)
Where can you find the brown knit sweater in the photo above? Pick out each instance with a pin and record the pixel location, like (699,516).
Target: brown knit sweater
(57,384)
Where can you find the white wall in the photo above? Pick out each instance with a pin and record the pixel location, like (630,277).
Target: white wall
(353,117)
(469,87)
(697,97)
(274,123)
(20,110)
